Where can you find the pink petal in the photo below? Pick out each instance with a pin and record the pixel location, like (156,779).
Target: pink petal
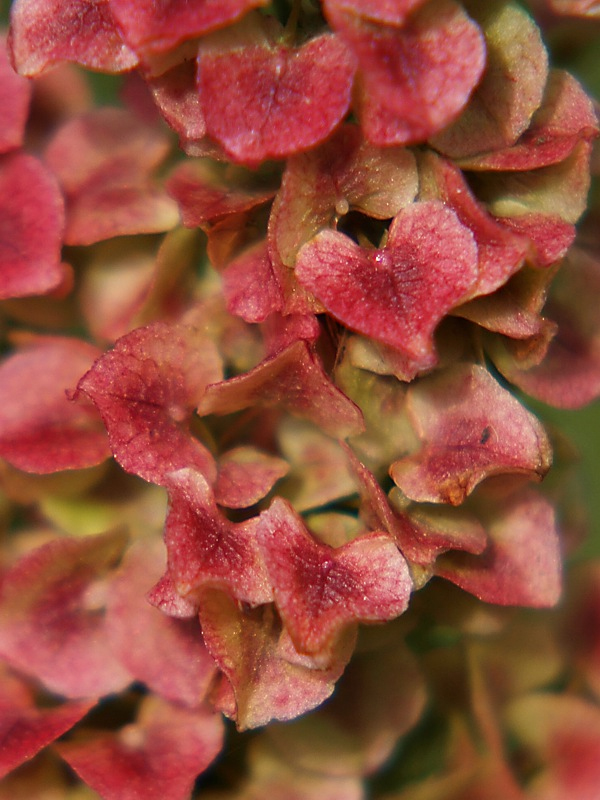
(41,430)
(415,77)
(514,310)
(569,375)
(47,32)
(25,729)
(470,428)
(420,534)
(128,284)
(262,102)
(549,236)
(176,97)
(522,566)
(166,654)
(565,118)
(264,678)
(558,191)
(32,211)
(511,88)
(156,28)
(205,548)
(15,96)
(292,379)
(251,286)
(246,475)
(394,12)
(104,162)
(400,293)
(345,173)
(319,590)
(500,251)
(204,195)
(146,389)
(50,625)
(280,332)
(158,756)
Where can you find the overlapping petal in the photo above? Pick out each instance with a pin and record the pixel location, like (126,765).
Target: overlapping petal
(33,222)
(15,95)
(52,624)
(569,375)
(522,565)
(293,379)
(511,89)
(320,590)
(344,174)
(166,654)
(44,33)
(41,430)
(146,389)
(205,549)
(264,677)
(139,760)
(397,294)
(414,77)
(104,161)
(25,729)
(263,102)
(470,428)
(156,28)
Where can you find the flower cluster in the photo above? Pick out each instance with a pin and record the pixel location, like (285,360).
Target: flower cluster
(268,326)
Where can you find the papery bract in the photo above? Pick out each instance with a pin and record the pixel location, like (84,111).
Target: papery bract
(397,294)
(205,549)
(154,28)
(15,95)
(522,565)
(344,174)
(204,195)
(104,161)
(293,379)
(511,88)
(332,742)
(166,654)
(25,729)
(264,678)
(146,389)
(33,220)
(319,472)
(569,375)
(271,102)
(246,475)
(158,756)
(565,118)
(415,77)
(471,428)
(40,429)
(500,252)
(47,32)
(320,590)
(251,285)
(421,534)
(51,625)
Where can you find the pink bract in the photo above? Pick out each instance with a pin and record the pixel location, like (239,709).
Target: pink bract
(271,102)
